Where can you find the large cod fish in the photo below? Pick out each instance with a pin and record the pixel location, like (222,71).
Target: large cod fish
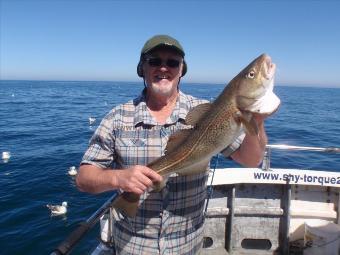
(214,126)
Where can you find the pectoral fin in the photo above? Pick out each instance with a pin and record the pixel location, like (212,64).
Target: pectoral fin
(127,203)
(249,124)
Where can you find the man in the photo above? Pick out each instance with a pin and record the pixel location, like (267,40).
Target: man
(134,134)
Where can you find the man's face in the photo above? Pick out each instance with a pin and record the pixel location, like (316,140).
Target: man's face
(162,71)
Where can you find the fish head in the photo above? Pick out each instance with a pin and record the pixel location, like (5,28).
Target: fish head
(254,87)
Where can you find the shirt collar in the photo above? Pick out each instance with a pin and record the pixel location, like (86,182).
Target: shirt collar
(142,114)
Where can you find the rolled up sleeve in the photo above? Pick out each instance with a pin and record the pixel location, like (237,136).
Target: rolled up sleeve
(101,146)
(234,145)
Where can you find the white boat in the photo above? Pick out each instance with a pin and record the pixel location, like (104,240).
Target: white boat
(266,211)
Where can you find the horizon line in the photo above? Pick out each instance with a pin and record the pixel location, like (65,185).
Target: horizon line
(279,84)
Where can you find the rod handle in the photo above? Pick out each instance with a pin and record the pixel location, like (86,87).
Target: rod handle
(66,246)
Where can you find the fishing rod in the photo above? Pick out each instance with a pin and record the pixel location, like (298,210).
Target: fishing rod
(68,244)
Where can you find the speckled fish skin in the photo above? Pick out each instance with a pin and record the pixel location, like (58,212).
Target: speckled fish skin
(214,126)
(220,124)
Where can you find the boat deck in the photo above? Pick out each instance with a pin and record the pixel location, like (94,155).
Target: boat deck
(261,211)
(265,216)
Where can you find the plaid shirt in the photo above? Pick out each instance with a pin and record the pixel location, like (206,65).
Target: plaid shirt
(169,221)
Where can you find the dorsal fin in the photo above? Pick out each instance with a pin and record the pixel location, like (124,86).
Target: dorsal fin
(176,139)
(196,113)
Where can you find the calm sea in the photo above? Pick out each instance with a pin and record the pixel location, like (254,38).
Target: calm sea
(45,127)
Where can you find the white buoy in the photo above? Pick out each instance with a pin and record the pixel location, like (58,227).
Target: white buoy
(72,171)
(92,120)
(6,155)
(58,209)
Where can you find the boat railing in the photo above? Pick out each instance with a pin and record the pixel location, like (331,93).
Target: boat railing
(270,147)
(73,239)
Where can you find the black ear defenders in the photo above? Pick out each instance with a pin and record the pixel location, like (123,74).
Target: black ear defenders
(140,68)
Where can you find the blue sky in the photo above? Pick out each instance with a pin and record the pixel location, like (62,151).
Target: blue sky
(102,39)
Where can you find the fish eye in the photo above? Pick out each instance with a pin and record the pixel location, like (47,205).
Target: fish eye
(251,75)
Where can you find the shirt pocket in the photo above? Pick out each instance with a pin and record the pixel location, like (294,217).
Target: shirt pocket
(132,150)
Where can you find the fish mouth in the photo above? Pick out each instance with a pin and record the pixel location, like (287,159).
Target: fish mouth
(269,68)
(264,102)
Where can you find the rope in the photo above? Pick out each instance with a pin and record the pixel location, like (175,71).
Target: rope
(309,244)
(210,189)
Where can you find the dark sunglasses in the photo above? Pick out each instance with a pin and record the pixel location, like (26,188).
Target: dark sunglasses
(157,62)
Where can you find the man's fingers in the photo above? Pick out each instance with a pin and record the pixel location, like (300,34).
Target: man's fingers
(140,178)
(137,191)
(155,177)
(145,181)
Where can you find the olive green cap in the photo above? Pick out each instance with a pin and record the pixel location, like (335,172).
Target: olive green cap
(159,41)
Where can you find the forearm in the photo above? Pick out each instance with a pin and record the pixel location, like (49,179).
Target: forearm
(251,151)
(136,179)
(94,179)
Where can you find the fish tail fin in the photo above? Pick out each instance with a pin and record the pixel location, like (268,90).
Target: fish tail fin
(127,203)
